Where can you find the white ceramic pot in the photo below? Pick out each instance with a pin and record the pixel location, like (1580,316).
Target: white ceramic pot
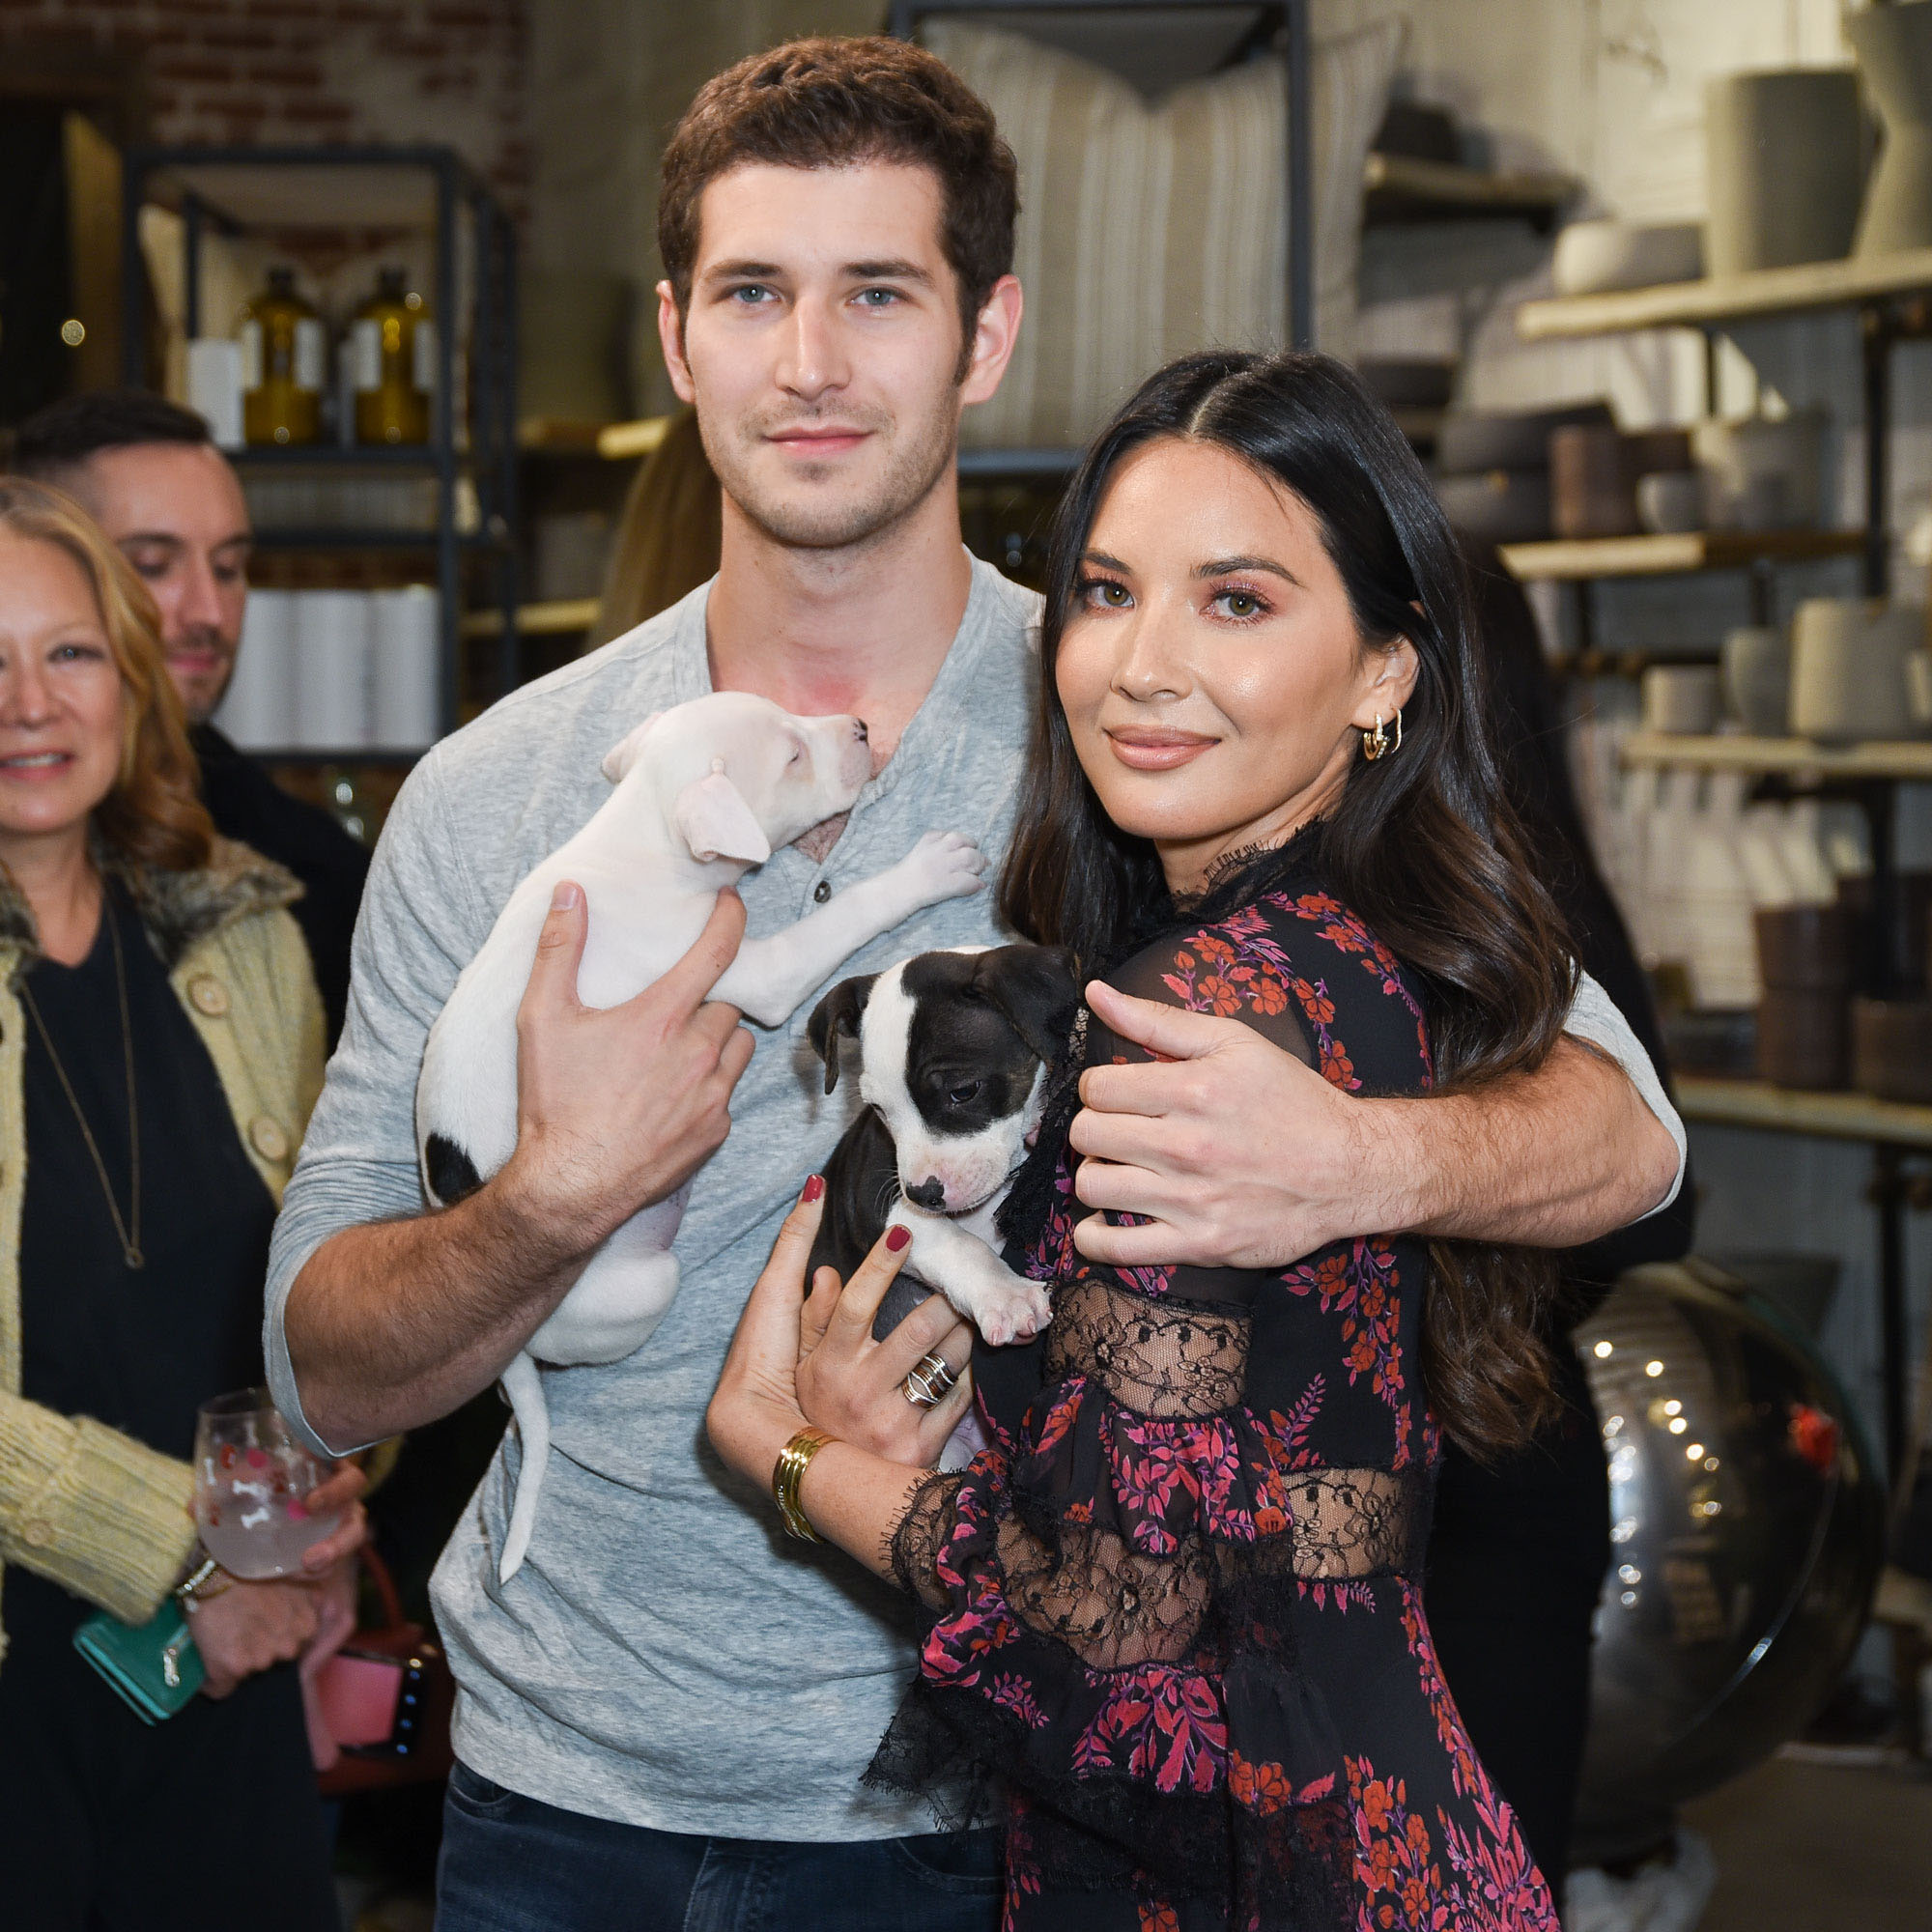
(1784,167)
(1594,257)
(1757,665)
(1763,472)
(1680,700)
(1918,688)
(1893,45)
(1848,668)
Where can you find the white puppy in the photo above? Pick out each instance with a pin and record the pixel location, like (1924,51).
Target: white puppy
(703,793)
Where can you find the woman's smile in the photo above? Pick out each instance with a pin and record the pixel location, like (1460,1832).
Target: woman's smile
(35,764)
(1155,748)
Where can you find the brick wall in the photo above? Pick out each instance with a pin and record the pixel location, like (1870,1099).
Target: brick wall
(312,70)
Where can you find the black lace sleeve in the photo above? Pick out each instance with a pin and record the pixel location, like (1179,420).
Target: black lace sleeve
(922,1533)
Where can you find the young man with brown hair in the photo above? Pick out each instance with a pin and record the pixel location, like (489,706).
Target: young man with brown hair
(666,1714)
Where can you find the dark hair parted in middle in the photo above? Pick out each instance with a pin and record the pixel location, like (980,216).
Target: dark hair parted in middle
(1422,844)
(832,103)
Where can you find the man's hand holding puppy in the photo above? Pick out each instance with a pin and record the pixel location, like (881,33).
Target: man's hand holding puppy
(617,1108)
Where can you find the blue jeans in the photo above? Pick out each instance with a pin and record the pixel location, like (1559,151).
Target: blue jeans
(512,1863)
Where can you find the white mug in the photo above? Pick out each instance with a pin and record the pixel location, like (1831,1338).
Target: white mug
(1757,679)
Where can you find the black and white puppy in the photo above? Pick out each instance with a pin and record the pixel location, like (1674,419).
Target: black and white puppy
(957,1050)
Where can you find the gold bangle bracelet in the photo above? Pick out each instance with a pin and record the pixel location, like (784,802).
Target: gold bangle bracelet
(787,1475)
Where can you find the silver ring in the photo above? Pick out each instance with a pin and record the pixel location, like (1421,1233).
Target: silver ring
(930,1380)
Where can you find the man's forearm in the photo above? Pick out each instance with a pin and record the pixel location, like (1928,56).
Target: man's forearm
(1552,1158)
(396,1324)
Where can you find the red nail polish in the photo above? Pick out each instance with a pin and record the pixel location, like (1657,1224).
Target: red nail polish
(896,1237)
(815,1186)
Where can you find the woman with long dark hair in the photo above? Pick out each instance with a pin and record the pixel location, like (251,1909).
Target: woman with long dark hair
(1176,1607)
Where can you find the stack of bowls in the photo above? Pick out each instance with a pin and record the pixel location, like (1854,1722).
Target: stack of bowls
(1891,1037)
(1606,482)
(1493,468)
(1805,963)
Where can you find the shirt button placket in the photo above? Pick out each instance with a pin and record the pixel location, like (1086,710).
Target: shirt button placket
(821,891)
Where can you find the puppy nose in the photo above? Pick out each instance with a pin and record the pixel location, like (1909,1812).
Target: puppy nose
(930,1193)
(858,730)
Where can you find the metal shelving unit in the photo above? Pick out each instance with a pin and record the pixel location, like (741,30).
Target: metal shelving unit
(1891,294)
(1867,774)
(420,189)
(1892,298)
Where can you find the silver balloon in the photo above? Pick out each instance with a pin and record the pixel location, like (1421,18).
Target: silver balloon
(1747,1529)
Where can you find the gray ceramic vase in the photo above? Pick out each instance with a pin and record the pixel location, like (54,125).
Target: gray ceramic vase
(1894,49)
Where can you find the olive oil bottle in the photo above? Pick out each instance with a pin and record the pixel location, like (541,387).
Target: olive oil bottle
(282,360)
(392,347)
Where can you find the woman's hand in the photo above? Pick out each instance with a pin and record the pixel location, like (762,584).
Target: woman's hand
(774,1382)
(254,1625)
(342,1489)
(853,1388)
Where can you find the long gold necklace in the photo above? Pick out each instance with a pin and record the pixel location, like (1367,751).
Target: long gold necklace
(129,1231)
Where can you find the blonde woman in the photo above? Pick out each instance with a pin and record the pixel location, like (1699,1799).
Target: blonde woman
(161,1046)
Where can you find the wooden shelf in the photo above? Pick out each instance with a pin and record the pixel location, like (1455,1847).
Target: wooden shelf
(619,441)
(1795,758)
(1403,187)
(558,436)
(1785,1110)
(536,620)
(1722,299)
(1580,558)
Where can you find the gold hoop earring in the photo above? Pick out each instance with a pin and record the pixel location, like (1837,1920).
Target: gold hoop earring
(1377,744)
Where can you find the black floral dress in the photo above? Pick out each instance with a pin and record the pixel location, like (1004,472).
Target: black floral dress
(1175,1607)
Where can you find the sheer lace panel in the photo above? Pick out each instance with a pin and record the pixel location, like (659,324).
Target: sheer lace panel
(1110,1607)
(1342,1523)
(1154,1357)
(922,1532)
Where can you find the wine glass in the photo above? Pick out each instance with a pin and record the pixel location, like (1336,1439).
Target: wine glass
(251,1485)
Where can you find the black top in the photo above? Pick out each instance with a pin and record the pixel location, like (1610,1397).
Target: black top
(137,1348)
(246,804)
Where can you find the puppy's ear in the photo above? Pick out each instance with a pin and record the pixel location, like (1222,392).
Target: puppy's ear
(838,1013)
(1035,989)
(623,755)
(711,817)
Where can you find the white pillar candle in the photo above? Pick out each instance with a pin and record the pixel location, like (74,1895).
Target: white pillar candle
(406,652)
(332,669)
(258,709)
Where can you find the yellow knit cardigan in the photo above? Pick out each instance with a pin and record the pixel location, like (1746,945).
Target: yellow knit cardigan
(101,1514)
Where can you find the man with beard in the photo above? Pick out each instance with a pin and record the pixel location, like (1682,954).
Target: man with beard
(149,473)
(665,1715)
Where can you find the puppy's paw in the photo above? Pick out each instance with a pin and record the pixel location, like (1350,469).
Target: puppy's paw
(945,866)
(1014,1313)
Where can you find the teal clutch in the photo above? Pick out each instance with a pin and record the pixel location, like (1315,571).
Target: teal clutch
(153,1667)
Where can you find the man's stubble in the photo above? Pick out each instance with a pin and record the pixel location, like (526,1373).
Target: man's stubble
(918,462)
